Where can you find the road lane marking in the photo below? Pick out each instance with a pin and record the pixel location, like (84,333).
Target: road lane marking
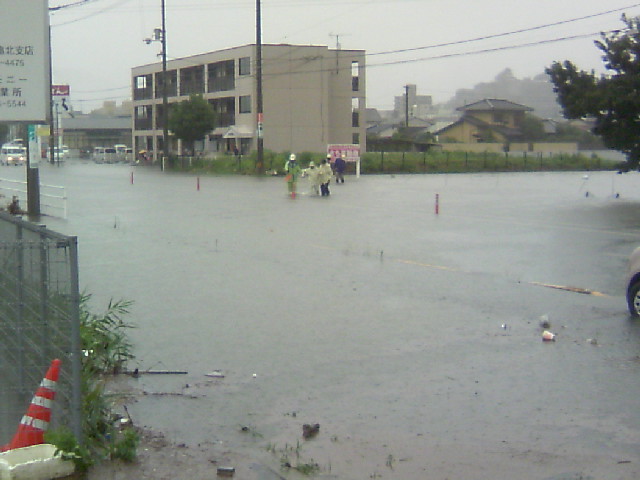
(567,288)
(428,265)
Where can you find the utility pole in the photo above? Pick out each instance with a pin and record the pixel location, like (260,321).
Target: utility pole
(33,173)
(338,47)
(406,105)
(337,35)
(259,100)
(165,101)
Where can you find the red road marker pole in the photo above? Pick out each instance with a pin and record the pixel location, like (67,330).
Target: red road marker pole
(131,178)
(198,183)
(437,203)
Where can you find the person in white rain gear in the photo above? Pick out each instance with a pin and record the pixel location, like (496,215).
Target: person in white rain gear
(325,177)
(314,184)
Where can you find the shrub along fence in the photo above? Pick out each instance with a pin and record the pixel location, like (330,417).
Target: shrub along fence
(403,162)
(460,162)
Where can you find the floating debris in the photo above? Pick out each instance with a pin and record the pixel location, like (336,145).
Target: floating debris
(547,336)
(309,431)
(544,321)
(226,471)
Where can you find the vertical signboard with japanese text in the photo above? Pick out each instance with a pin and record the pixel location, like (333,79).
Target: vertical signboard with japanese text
(24,61)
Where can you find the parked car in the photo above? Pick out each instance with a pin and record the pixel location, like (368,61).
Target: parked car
(633,283)
(58,154)
(98,154)
(110,155)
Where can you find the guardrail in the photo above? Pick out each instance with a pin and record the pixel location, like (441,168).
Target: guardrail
(53,198)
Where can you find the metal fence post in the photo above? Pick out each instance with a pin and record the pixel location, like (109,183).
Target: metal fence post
(74,317)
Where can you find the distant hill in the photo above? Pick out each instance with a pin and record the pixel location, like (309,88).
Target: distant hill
(536,92)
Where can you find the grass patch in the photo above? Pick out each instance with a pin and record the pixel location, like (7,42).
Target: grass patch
(106,350)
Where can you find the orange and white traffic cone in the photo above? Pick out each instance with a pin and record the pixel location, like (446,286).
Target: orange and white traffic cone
(36,421)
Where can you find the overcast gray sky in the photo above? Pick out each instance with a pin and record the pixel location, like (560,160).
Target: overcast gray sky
(95,44)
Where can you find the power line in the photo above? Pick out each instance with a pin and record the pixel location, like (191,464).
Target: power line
(69,5)
(83,2)
(458,42)
(489,50)
(504,34)
(413,60)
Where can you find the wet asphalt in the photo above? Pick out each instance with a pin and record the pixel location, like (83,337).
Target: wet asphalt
(409,330)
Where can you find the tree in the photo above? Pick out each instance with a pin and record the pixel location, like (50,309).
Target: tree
(613,99)
(532,129)
(191,120)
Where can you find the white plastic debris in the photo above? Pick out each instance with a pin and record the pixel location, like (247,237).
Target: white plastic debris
(37,462)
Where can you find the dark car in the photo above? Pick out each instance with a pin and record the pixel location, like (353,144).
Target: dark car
(633,283)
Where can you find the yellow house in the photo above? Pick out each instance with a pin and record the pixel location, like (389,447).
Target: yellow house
(486,121)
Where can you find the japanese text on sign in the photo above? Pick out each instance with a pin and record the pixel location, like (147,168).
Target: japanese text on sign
(349,153)
(24,61)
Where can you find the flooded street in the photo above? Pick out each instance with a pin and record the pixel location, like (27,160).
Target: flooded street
(411,337)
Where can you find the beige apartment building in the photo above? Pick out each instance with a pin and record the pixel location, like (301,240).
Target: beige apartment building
(312,96)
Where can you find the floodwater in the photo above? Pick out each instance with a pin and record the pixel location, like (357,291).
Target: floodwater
(411,336)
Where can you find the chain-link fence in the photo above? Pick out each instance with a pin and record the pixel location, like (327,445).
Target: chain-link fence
(39,322)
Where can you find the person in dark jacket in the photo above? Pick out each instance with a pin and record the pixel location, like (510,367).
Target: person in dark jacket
(339,165)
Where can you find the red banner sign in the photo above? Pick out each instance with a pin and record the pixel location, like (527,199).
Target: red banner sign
(60,90)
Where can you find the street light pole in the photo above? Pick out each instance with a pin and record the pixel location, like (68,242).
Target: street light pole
(165,101)
(259,101)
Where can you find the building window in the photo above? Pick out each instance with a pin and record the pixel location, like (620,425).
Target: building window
(172,83)
(142,117)
(355,139)
(355,113)
(225,110)
(192,80)
(220,76)
(244,66)
(142,87)
(245,104)
(355,76)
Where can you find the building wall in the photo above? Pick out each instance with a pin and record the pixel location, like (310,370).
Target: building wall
(307,93)
(499,117)
(569,147)
(466,133)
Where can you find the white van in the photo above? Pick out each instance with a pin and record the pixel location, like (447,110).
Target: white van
(121,151)
(12,154)
(98,154)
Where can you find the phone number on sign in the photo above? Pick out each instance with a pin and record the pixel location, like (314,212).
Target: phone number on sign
(13,103)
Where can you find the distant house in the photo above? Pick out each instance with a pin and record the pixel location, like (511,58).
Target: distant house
(550,126)
(373,117)
(486,121)
(417,127)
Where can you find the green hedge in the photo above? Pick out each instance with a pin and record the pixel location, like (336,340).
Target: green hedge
(399,162)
